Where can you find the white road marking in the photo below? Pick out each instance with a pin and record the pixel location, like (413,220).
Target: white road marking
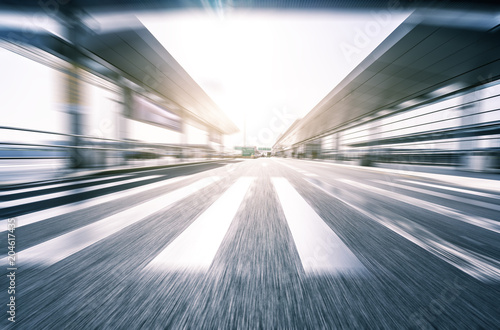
(33,199)
(289,166)
(317,163)
(481,267)
(443,210)
(56,185)
(477,183)
(490,206)
(196,247)
(61,247)
(30,218)
(465,191)
(319,248)
(299,170)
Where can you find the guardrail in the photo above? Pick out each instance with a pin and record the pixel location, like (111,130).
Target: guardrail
(95,151)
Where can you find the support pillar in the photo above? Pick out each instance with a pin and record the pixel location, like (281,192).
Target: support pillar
(75,29)
(184,133)
(126,112)
(73,90)
(472,159)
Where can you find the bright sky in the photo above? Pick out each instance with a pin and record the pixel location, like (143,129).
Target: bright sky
(269,65)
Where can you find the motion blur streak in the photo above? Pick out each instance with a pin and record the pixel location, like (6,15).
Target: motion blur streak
(65,245)
(196,247)
(249,164)
(320,250)
(385,257)
(489,224)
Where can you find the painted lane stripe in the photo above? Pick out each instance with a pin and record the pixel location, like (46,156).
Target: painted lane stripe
(319,248)
(317,163)
(480,267)
(196,247)
(465,191)
(469,182)
(41,188)
(33,199)
(41,215)
(481,222)
(486,205)
(63,246)
(298,170)
(289,166)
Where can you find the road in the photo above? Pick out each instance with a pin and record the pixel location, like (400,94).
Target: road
(254,244)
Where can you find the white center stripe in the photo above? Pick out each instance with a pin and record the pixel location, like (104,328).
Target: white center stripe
(195,248)
(33,199)
(63,246)
(319,248)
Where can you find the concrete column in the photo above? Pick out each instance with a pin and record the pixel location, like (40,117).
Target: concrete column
(126,111)
(184,133)
(373,132)
(74,29)
(73,91)
(222,144)
(336,145)
(472,158)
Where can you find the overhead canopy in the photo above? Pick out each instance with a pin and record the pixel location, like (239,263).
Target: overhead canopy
(136,55)
(137,5)
(419,61)
(142,59)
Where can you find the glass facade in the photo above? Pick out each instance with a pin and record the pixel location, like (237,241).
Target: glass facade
(438,132)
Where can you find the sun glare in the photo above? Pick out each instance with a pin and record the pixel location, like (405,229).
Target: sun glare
(253,64)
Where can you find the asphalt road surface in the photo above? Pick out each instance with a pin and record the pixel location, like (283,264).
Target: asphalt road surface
(254,244)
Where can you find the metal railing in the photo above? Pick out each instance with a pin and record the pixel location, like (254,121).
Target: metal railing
(96,150)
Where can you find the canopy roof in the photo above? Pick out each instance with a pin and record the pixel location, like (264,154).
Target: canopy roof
(135,54)
(138,5)
(419,61)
